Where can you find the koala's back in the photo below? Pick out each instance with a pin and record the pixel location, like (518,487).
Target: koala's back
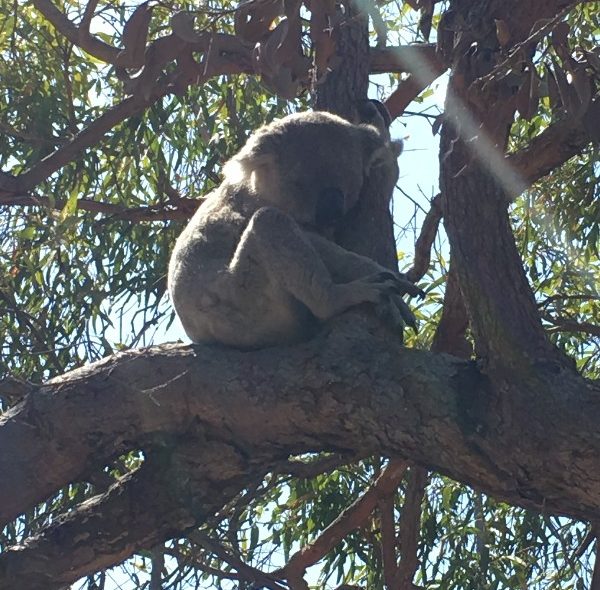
(208,240)
(199,285)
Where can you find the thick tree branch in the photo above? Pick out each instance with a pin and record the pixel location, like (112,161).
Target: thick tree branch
(434,409)
(475,181)
(556,144)
(421,62)
(175,489)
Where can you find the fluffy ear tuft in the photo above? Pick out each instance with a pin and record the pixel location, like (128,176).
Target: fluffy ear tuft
(377,157)
(397,146)
(370,139)
(378,150)
(375,150)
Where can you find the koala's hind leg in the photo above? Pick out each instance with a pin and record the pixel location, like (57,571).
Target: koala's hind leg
(276,243)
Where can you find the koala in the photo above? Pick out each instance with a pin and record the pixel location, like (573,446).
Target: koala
(375,113)
(253,267)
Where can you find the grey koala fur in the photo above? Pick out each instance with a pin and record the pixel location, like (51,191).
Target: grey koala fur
(252,268)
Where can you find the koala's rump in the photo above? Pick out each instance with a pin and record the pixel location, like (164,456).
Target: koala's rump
(214,304)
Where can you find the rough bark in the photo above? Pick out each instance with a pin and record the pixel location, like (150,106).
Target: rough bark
(368,228)
(475,184)
(244,414)
(174,489)
(435,409)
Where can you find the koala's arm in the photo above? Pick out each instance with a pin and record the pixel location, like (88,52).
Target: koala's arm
(345,266)
(274,242)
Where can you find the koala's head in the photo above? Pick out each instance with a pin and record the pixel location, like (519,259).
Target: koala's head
(311,165)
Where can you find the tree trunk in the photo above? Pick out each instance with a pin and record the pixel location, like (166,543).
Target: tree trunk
(368,228)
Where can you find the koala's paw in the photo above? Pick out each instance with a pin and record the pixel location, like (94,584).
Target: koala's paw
(395,311)
(389,305)
(391,308)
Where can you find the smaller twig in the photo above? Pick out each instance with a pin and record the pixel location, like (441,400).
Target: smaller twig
(589,538)
(564,297)
(34,139)
(310,469)
(427,116)
(425,241)
(410,527)
(351,518)
(183,210)
(566,325)
(389,542)
(67,52)
(250,573)
(197,563)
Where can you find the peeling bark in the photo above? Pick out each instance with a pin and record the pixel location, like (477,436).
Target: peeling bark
(241,415)
(435,409)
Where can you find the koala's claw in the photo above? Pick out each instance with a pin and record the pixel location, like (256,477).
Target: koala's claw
(400,284)
(407,315)
(395,310)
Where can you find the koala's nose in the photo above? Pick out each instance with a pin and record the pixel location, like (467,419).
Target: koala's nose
(330,207)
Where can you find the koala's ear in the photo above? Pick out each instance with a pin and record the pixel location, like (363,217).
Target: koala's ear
(374,150)
(397,146)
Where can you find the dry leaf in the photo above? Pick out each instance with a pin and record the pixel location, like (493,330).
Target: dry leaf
(583,86)
(593,59)
(426,18)
(560,35)
(502,32)
(568,95)
(553,91)
(252,22)
(182,24)
(135,35)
